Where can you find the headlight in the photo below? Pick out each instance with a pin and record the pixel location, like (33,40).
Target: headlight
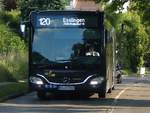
(96,81)
(36,80)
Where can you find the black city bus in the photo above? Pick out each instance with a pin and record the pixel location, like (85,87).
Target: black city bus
(70,52)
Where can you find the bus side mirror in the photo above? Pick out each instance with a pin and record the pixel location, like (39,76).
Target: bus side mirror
(117,51)
(24,28)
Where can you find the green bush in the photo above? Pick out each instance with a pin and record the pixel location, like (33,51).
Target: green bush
(11,19)
(26,6)
(17,65)
(13,50)
(10,4)
(124,72)
(12,89)
(127,72)
(5,75)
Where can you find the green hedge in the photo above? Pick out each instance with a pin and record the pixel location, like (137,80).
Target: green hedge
(5,75)
(13,50)
(11,19)
(12,89)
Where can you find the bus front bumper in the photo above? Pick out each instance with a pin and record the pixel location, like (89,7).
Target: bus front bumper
(87,87)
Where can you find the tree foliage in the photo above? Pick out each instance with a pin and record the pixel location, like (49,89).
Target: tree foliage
(1,5)
(9,4)
(143,8)
(114,5)
(13,51)
(136,41)
(132,30)
(26,6)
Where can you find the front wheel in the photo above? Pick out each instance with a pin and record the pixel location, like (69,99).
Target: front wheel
(101,94)
(41,95)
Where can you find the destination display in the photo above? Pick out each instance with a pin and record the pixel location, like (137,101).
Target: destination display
(42,21)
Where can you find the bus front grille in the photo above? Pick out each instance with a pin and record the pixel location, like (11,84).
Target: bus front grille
(66,79)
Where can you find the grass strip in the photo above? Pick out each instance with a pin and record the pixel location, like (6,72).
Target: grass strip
(12,89)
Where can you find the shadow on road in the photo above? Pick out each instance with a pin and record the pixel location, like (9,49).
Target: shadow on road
(133,103)
(137,95)
(95,102)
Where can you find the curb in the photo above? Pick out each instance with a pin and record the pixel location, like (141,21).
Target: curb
(12,96)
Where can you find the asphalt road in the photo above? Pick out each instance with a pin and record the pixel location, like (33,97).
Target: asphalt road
(132,96)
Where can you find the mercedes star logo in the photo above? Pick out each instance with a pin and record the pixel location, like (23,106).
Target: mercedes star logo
(66,80)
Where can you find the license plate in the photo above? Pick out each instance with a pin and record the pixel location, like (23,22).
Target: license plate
(66,88)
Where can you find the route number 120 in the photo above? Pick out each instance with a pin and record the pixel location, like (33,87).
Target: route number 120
(45,21)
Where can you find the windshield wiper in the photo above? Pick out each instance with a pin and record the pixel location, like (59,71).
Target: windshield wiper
(47,64)
(63,60)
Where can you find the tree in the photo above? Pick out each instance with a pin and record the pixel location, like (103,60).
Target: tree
(136,40)
(143,8)
(9,4)
(133,41)
(114,5)
(26,6)
(1,5)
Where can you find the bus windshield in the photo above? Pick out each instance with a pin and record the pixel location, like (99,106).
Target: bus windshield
(66,44)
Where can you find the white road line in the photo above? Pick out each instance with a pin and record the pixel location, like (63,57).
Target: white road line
(87,109)
(116,99)
(71,106)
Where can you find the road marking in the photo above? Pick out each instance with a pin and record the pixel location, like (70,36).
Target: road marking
(87,109)
(69,106)
(116,99)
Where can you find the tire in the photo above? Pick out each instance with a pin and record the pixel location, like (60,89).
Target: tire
(102,94)
(41,95)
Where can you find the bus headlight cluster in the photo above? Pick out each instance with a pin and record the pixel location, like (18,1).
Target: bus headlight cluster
(36,80)
(96,81)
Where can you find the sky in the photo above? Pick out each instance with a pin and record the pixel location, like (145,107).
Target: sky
(125,6)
